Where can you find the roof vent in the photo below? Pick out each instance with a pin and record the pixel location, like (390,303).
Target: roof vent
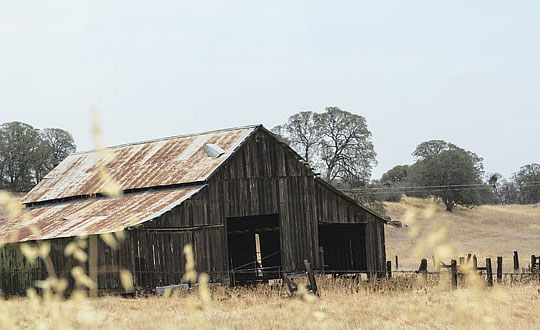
(213,150)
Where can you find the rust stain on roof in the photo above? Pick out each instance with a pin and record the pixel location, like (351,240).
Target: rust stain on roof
(163,162)
(93,216)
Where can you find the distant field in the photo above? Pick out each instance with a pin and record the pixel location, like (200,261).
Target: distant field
(487,231)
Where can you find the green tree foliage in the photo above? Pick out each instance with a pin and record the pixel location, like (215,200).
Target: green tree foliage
(527,181)
(336,142)
(397,174)
(28,154)
(454,173)
(508,192)
(392,182)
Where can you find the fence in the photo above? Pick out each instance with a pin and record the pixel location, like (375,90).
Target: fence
(469,264)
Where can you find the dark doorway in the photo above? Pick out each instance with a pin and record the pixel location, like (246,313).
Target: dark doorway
(344,247)
(254,248)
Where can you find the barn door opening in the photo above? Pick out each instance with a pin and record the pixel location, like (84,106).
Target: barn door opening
(344,247)
(254,248)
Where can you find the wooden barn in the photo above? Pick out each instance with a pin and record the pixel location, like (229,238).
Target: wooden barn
(249,205)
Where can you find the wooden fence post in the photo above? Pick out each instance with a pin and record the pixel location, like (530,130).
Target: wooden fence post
(461,261)
(397,264)
(499,269)
(453,267)
(489,271)
(533,262)
(475,262)
(389,269)
(423,269)
(516,262)
(311,277)
(468,258)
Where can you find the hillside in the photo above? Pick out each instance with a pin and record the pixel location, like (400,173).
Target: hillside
(487,231)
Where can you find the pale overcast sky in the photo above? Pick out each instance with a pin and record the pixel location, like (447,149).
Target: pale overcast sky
(463,71)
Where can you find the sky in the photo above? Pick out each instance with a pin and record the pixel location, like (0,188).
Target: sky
(463,71)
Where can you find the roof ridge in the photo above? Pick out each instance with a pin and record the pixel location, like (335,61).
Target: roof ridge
(167,138)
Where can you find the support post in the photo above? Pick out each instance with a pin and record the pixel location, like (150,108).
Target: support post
(489,272)
(389,269)
(533,262)
(499,269)
(311,277)
(453,267)
(516,262)
(93,263)
(461,261)
(468,259)
(474,262)
(397,263)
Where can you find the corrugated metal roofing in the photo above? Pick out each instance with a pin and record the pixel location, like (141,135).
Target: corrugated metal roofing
(174,160)
(93,216)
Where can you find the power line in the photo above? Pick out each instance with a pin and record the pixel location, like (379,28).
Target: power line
(399,189)
(481,185)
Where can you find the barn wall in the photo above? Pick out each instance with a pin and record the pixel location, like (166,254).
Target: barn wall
(17,274)
(262,177)
(333,208)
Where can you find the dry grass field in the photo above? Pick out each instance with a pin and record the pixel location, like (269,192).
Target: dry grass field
(399,303)
(341,306)
(487,231)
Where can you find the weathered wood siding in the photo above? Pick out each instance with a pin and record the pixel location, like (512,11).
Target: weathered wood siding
(17,274)
(263,177)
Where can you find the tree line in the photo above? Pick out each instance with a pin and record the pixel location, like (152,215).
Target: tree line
(338,144)
(27,154)
(335,143)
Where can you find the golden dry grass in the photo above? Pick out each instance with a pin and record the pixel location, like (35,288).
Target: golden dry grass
(487,231)
(401,303)
(341,306)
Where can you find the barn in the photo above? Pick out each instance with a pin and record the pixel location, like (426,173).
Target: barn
(249,205)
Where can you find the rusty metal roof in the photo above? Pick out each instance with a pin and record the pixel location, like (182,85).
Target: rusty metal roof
(92,216)
(163,162)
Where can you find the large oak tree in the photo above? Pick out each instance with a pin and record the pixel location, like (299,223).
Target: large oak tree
(449,173)
(336,142)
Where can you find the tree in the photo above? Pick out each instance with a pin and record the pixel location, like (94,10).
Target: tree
(302,130)
(346,148)
(508,192)
(397,174)
(19,143)
(55,144)
(528,183)
(60,142)
(393,181)
(335,141)
(453,175)
(28,154)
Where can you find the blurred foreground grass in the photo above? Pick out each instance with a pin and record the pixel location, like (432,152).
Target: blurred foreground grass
(398,304)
